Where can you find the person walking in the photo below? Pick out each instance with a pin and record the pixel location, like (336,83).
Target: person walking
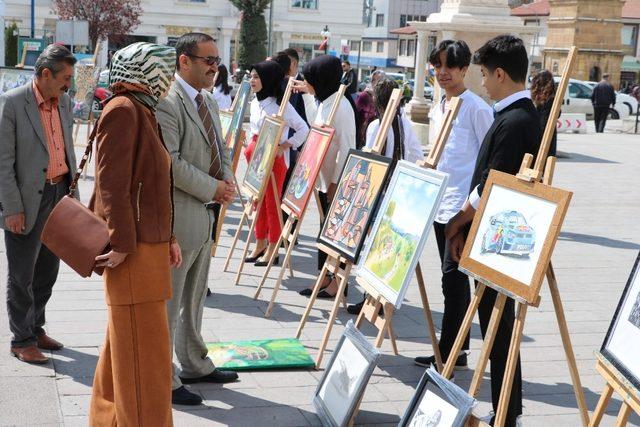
(36,166)
(603,97)
(133,194)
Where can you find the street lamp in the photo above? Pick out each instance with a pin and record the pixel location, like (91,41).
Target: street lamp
(326,34)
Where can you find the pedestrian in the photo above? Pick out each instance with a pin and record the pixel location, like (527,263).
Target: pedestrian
(190,123)
(132,193)
(450,61)
(543,93)
(603,97)
(221,89)
(365,114)
(349,79)
(515,132)
(36,166)
(266,83)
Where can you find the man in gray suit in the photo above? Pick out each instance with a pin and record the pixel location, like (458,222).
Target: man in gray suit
(190,123)
(36,165)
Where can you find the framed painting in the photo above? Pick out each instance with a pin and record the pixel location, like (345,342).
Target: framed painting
(351,212)
(437,402)
(513,235)
(11,78)
(239,109)
(225,123)
(304,175)
(261,163)
(344,380)
(283,353)
(85,83)
(621,345)
(400,229)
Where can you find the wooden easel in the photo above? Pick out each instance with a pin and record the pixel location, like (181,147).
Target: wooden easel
(615,381)
(527,174)
(290,232)
(254,204)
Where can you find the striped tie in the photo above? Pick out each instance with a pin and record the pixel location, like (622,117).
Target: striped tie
(215,169)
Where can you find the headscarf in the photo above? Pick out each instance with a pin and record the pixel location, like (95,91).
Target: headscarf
(271,76)
(323,73)
(144,70)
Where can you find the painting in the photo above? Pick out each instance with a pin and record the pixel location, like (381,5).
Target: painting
(239,109)
(85,82)
(622,343)
(304,175)
(437,403)
(513,234)
(344,380)
(283,353)
(400,230)
(11,78)
(354,204)
(259,168)
(225,123)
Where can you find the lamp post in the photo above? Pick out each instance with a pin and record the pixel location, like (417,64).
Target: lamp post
(326,34)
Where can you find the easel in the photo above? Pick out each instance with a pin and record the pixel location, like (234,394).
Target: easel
(618,383)
(526,174)
(290,232)
(254,204)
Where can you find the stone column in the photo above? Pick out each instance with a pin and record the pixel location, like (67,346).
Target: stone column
(224,45)
(2,12)
(417,108)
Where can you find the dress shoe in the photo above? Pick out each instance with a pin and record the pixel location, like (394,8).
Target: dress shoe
(217,376)
(182,396)
(276,261)
(355,308)
(326,295)
(426,361)
(255,258)
(45,342)
(29,354)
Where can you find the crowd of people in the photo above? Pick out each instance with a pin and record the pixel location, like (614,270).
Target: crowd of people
(162,170)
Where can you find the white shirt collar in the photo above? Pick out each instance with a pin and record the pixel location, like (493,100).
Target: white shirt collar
(191,91)
(266,101)
(504,103)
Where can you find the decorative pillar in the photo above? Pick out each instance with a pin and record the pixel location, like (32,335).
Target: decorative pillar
(417,108)
(225,47)
(2,41)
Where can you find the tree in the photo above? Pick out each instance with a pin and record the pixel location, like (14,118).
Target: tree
(107,18)
(11,45)
(253,31)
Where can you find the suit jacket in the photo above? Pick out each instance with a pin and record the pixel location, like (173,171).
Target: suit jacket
(190,150)
(24,156)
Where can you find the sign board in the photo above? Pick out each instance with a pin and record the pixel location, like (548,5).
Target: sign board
(72,33)
(31,48)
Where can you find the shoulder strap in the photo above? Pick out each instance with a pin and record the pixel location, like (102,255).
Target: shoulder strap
(85,158)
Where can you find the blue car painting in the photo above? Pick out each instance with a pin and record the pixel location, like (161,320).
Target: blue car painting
(509,234)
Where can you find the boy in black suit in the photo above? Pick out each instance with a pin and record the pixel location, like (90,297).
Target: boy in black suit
(515,132)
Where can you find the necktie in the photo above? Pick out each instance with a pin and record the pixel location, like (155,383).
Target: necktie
(215,169)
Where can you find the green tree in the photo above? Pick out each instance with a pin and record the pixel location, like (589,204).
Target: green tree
(11,45)
(391,209)
(253,31)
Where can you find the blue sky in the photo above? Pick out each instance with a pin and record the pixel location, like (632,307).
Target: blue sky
(414,200)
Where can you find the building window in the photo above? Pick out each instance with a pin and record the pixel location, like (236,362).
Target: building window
(366,47)
(402,47)
(304,4)
(411,47)
(380,47)
(354,45)
(380,20)
(403,21)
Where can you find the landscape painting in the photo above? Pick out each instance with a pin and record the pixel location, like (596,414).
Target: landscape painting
(240,104)
(260,354)
(261,163)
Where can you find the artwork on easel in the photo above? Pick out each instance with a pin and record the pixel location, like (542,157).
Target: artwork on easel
(300,187)
(344,381)
(513,234)
(11,78)
(239,110)
(225,123)
(85,83)
(351,211)
(621,345)
(261,163)
(400,229)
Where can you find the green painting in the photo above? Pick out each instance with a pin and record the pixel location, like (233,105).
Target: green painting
(260,354)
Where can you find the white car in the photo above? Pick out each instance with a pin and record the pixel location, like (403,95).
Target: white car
(577,99)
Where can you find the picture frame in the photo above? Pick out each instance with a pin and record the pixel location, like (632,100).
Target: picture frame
(84,87)
(259,168)
(513,234)
(352,210)
(437,402)
(225,124)
(301,185)
(621,345)
(400,230)
(12,77)
(345,379)
(238,109)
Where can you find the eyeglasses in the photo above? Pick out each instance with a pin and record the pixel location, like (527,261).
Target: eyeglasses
(209,60)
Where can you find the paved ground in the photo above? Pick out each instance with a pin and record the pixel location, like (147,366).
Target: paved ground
(597,247)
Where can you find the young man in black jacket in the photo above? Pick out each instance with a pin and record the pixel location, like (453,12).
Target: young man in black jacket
(515,132)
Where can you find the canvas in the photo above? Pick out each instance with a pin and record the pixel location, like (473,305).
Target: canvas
(304,175)
(11,78)
(513,234)
(85,83)
(401,229)
(622,344)
(225,123)
(354,204)
(239,110)
(259,354)
(259,168)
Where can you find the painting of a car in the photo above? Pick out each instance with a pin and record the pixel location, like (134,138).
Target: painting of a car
(509,234)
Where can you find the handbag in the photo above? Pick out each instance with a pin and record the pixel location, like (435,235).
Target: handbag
(73,232)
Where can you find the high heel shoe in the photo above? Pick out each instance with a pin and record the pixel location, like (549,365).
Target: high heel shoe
(324,294)
(308,291)
(255,258)
(265,263)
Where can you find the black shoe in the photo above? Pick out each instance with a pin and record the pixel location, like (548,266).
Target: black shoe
(217,376)
(255,258)
(355,308)
(306,292)
(324,294)
(265,263)
(208,292)
(426,361)
(182,396)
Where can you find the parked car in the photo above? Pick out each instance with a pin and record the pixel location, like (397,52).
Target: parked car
(577,99)
(428,89)
(509,233)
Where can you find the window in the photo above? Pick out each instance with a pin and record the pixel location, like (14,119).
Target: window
(380,47)
(304,4)
(403,21)
(354,45)
(380,20)
(402,48)
(411,47)
(366,47)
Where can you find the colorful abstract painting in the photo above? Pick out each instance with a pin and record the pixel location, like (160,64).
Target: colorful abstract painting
(260,354)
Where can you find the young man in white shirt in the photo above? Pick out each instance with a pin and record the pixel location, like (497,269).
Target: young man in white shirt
(451,59)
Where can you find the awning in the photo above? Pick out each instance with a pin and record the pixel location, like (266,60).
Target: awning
(630,63)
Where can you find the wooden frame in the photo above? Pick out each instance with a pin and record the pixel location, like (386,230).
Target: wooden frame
(268,140)
(524,292)
(238,109)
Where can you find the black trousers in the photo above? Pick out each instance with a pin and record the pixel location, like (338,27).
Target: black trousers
(324,205)
(32,272)
(600,114)
(457,295)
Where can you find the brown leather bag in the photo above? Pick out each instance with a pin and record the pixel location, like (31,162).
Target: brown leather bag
(73,232)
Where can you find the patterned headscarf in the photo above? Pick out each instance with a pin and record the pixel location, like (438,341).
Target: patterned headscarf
(144,70)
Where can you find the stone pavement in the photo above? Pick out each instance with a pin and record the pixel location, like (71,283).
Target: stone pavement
(596,250)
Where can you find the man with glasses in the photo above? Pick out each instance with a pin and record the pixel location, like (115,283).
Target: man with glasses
(190,123)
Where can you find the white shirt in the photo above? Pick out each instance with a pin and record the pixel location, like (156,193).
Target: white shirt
(224,101)
(458,159)
(191,91)
(292,120)
(474,197)
(412,147)
(343,140)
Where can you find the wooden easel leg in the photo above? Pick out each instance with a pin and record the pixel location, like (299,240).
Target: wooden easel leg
(276,287)
(236,237)
(283,234)
(566,343)
(601,407)
(512,362)
(623,415)
(312,298)
(276,198)
(427,314)
(392,335)
(235,180)
(369,300)
(246,246)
